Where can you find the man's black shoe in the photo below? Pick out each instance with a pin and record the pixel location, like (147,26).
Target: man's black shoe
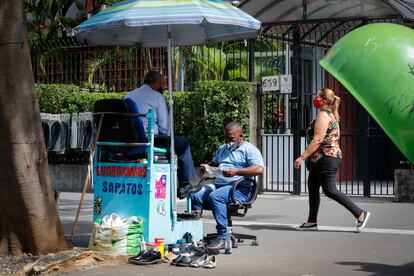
(216,244)
(137,257)
(150,257)
(183,189)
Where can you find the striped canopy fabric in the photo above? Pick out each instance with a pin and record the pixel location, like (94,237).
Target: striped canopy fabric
(145,22)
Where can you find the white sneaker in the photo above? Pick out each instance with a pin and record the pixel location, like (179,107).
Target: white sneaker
(210,262)
(361,224)
(200,262)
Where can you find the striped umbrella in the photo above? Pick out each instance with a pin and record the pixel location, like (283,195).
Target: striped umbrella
(146,22)
(159,23)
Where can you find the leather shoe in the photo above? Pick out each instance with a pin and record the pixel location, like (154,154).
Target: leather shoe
(216,244)
(150,257)
(183,189)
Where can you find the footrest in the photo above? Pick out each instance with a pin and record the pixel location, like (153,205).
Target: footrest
(160,150)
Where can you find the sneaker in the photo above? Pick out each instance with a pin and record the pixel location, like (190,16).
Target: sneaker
(176,259)
(188,237)
(200,262)
(210,262)
(216,244)
(303,227)
(361,224)
(187,259)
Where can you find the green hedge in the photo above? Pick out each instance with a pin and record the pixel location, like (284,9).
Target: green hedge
(68,98)
(200,115)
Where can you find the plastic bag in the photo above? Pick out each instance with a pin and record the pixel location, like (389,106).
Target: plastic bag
(117,236)
(212,171)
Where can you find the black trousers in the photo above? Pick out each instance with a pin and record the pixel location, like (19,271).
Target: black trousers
(323,173)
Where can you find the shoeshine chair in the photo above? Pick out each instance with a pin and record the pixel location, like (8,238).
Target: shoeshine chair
(121,123)
(116,126)
(237,209)
(129,185)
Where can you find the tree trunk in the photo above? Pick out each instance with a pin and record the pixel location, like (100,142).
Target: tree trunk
(29,220)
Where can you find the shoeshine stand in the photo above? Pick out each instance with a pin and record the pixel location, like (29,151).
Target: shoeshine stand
(140,189)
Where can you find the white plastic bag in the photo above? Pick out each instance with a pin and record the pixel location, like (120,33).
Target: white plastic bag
(212,171)
(117,236)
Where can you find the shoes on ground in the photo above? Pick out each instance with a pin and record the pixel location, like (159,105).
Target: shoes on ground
(177,259)
(196,260)
(188,238)
(147,258)
(200,261)
(137,257)
(210,262)
(186,260)
(216,244)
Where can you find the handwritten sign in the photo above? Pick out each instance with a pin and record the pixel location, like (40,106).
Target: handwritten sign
(286,84)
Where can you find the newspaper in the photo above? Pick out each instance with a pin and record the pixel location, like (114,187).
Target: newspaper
(212,171)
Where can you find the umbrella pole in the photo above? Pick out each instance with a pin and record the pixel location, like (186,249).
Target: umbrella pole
(173,165)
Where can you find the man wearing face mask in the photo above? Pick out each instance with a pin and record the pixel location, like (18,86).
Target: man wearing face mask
(237,159)
(149,96)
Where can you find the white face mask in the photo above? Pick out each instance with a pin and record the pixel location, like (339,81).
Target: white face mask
(233,145)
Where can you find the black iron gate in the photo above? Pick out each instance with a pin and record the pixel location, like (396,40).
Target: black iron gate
(369,156)
(283,49)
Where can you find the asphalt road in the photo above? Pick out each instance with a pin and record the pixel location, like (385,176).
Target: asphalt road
(385,248)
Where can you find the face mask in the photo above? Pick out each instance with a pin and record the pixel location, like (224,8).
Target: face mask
(233,145)
(318,102)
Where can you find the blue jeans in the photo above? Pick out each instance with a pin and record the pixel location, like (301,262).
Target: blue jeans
(186,170)
(216,198)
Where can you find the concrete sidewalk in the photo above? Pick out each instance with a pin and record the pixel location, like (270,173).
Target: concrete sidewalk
(385,248)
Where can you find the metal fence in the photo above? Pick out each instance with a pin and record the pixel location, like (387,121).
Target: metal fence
(369,156)
(97,68)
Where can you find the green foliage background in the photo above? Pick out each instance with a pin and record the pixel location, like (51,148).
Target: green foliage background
(68,98)
(215,104)
(200,115)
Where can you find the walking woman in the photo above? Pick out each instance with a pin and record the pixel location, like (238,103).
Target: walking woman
(323,158)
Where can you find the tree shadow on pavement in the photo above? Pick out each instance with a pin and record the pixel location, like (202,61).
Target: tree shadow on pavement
(383,269)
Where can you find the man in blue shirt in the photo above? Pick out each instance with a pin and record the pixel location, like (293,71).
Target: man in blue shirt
(237,159)
(149,96)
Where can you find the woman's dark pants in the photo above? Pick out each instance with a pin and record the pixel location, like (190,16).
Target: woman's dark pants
(323,173)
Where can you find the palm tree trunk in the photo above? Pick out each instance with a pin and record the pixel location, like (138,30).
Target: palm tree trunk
(29,220)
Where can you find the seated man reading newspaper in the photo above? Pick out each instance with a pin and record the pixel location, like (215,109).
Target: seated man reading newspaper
(232,161)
